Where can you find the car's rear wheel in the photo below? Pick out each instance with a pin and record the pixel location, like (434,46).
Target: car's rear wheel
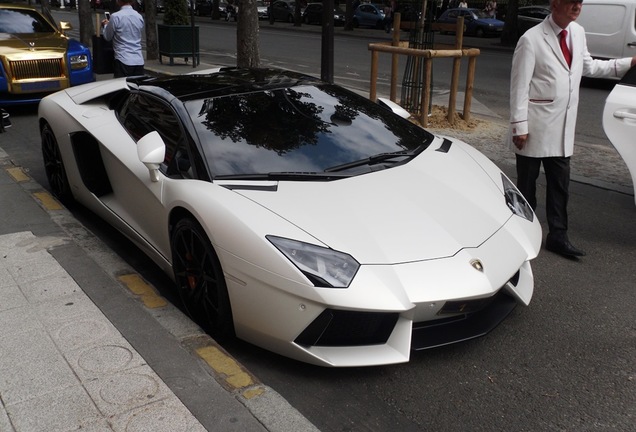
(54,167)
(200,279)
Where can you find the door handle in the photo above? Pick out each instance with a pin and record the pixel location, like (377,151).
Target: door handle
(625,115)
(631,44)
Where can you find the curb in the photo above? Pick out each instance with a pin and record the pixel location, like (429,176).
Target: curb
(269,408)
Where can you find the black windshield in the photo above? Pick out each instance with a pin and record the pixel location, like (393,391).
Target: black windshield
(305,128)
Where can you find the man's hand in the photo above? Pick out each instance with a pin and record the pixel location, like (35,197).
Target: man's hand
(520,141)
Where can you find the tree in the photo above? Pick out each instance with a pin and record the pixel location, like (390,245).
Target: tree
(86,30)
(176,13)
(152,47)
(510,35)
(349,15)
(247,52)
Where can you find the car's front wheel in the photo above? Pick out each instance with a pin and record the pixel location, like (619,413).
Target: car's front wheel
(54,166)
(200,279)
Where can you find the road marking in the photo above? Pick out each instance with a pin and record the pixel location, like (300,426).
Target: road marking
(144,291)
(48,201)
(18,174)
(225,365)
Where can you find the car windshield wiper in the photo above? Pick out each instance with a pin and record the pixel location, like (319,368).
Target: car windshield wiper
(400,156)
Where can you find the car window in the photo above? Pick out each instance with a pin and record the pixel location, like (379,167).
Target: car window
(630,78)
(142,114)
(23,22)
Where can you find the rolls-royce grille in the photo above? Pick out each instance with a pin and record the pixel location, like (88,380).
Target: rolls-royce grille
(43,68)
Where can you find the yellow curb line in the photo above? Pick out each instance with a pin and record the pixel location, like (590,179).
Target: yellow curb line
(235,376)
(48,201)
(18,174)
(146,293)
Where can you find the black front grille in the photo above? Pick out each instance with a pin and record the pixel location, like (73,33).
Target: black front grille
(347,328)
(41,68)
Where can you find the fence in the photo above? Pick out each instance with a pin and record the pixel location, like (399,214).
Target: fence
(397,48)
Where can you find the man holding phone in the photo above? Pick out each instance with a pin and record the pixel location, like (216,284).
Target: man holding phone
(124,29)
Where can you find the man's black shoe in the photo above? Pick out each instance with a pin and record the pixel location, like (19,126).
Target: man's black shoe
(563,247)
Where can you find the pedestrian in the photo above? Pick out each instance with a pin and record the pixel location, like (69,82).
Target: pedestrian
(463,4)
(544,96)
(124,29)
(491,8)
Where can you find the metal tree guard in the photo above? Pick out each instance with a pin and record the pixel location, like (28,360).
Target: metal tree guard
(420,37)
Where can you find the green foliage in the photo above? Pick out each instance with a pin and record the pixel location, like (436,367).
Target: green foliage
(176,12)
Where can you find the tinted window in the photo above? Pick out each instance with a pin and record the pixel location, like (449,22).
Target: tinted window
(23,21)
(297,129)
(630,78)
(142,114)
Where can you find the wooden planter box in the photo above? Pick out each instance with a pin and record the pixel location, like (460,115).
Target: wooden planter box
(176,41)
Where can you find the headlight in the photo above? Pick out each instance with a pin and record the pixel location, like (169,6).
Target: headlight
(79,61)
(515,201)
(324,267)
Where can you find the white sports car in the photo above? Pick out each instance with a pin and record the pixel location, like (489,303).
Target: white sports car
(295,214)
(619,120)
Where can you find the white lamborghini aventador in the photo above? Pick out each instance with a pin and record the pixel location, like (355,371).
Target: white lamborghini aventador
(295,214)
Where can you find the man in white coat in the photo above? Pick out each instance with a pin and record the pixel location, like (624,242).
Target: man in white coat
(544,97)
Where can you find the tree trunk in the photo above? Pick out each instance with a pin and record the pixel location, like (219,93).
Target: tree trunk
(152,47)
(87,28)
(510,34)
(247,52)
(349,15)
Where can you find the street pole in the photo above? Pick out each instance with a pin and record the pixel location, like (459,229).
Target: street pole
(326,70)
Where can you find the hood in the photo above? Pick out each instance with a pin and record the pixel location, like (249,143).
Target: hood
(27,46)
(429,208)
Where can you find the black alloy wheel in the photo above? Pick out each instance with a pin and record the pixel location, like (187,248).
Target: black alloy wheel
(200,279)
(54,167)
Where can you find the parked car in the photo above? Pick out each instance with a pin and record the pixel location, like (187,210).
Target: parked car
(36,58)
(610,28)
(619,119)
(313,14)
(283,10)
(203,7)
(530,16)
(262,10)
(295,214)
(369,15)
(476,21)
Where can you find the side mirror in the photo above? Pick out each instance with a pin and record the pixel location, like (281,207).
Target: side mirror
(65,26)
(151,151)
(397,109)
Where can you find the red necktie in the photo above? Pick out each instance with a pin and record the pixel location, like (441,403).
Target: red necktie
(564,47)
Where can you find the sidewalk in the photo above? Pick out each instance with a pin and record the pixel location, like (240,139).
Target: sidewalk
(86,344)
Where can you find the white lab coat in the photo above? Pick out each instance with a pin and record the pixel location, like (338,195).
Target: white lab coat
(544,92)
